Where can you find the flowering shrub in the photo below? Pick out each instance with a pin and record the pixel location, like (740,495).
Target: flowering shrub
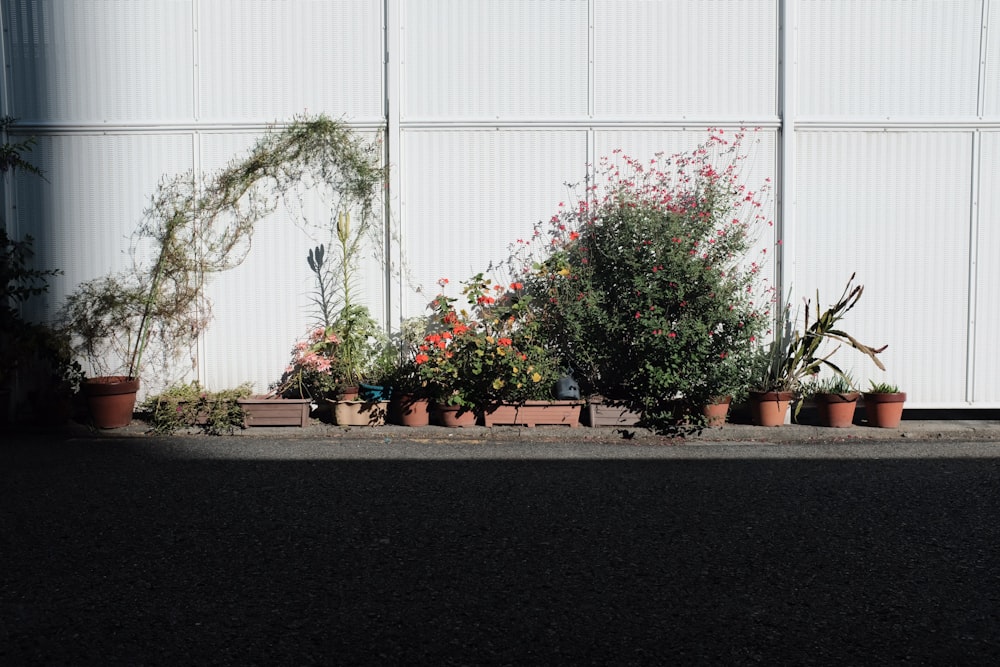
(491,353)
(314,371)
(645,286)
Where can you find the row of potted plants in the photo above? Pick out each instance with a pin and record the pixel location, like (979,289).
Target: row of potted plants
(647,291)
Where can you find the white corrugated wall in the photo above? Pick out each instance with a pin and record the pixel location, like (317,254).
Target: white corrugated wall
(879,121)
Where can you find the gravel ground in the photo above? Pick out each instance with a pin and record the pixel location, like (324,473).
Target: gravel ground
(380,549)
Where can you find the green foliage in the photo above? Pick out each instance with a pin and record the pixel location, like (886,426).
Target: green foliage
(190,406)
(834,384)
(882,388)
(793,357)
(36,347)
(495,354)
(12,152)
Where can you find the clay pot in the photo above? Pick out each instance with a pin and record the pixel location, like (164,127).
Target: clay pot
(111,400)
(408,410)
(453,416)
(715,412)
(768,408)
(884,410)
(836,410)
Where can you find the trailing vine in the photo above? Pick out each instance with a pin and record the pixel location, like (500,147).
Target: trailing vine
(196,228)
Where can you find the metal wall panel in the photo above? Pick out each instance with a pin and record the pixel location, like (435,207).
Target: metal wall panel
(888,58)
(96,190)
(893,207)
(986,361)
(469,194)
(991,64)
(481,59)
(100,61)
(271,59)
(685,58)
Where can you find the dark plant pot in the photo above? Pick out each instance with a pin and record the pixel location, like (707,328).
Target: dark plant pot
(836,410)
(111,400)
(408,410)
(884,410)
(453,416)
(768,408)
(715,412)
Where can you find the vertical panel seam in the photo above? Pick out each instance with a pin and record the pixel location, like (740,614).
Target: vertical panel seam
(970,367)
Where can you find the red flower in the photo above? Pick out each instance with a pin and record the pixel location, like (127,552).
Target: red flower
(421,358)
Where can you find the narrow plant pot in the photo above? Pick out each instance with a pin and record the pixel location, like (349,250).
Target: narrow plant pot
(111,400)
(716,411)
(768,408)
(836,410)
(453,416)
(884,410)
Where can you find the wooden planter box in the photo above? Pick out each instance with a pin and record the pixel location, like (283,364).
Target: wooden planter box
(535,413)
(600,413)
(263,411)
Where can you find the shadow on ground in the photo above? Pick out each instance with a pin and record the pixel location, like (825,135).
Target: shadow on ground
(114,552)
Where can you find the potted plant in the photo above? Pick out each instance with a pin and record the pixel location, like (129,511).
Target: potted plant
(884,405)
(794,357)
(193,228)
(358,354)
(644,286)
(409,399)
(835,398)
(491,357)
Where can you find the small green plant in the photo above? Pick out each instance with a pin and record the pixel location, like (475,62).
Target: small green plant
(191,406)
(882,388)
(835,384)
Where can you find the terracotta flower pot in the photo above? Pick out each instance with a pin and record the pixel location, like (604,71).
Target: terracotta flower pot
(768,408)
(884,410)
(715,412)
(836,410)
(454,416)
(408,410)
(111,400)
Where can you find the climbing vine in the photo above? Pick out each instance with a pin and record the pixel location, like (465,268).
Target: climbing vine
(197,227)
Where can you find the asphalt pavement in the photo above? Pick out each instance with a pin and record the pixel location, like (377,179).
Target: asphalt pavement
(392,546)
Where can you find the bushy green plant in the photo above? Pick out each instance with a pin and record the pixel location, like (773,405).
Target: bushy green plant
(492,353)
(645,287)
(191,406)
